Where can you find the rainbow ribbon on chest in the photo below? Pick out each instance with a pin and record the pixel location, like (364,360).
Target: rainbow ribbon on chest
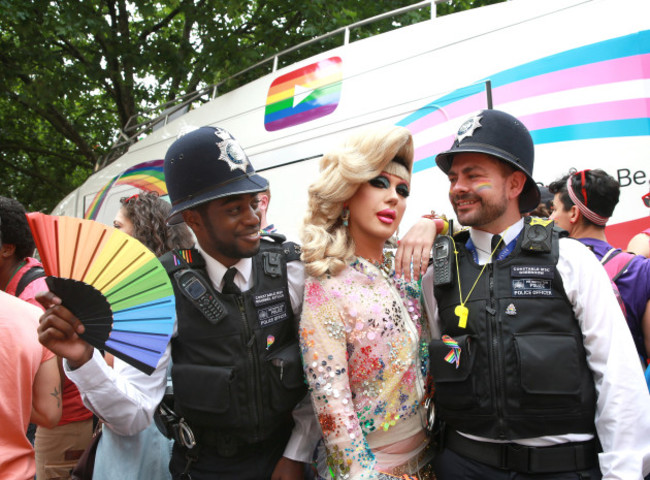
(454,354)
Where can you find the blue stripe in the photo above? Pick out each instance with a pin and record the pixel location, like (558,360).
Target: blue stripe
(632,127)
(424,164)
(628,45)
(633,44)
(442,102)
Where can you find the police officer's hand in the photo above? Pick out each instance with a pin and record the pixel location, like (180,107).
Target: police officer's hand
(58,331)
(287,469)
(415,247)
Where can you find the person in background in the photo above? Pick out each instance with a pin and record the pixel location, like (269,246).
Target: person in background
(144,217)
(265,200)
(145,454)
(363,337)
(544,208)
(238,384)
(535,372)
(640,243)
(29,381)
(57,448)
(21,275)
(583,203)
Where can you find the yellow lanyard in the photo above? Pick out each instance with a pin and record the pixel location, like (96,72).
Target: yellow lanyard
(461,310)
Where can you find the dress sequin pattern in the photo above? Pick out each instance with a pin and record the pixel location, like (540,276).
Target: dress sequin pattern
(364,346)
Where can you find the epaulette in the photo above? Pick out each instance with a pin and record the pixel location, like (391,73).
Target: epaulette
(177,259)
(276,237)
(291,250)
(461,235)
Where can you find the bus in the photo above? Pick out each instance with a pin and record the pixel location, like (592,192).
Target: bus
(576,72)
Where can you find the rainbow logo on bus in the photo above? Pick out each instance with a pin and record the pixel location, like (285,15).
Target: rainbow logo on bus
(147,176)
(304,95)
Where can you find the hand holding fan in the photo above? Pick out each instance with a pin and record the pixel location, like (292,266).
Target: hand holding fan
(113,283)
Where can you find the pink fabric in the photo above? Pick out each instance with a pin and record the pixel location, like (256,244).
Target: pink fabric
(73,407)
(20,358)
(363,342)
(30,291)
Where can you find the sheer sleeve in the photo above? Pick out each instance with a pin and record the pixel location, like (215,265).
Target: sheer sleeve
(324,347)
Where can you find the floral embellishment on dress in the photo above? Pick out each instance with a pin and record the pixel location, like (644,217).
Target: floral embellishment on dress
(314,294)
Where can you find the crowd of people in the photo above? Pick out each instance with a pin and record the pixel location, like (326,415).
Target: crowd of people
(514,348)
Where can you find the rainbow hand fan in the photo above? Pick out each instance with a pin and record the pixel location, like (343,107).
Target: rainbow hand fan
(113,283)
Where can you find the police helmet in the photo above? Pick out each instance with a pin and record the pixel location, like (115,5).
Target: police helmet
(501,135)
(206,164)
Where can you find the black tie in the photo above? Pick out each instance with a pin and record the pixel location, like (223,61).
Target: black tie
(496,245)
(228,282)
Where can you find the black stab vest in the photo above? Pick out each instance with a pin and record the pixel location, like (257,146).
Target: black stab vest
(242,376)
(523,370)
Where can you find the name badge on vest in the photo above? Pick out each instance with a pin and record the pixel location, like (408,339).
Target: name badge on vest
(532,280)
(271,312)
(268,297)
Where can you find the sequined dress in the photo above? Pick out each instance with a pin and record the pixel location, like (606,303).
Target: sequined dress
(365,347)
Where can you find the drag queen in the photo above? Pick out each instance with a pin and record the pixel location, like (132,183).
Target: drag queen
(363,337)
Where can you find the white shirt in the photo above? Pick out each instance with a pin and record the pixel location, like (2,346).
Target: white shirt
(125,398)
(623,405)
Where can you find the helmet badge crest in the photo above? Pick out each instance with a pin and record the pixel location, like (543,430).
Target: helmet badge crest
(230,151)
(468,128)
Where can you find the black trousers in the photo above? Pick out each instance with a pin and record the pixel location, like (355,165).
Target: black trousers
(252,462)
(449,465)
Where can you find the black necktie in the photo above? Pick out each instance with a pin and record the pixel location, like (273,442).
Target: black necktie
(497,245)
(228,282)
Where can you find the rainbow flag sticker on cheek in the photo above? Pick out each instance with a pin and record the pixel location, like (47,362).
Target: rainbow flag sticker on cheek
(304,95)
(483,186)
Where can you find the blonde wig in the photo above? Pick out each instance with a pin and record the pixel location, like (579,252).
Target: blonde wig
(327,246)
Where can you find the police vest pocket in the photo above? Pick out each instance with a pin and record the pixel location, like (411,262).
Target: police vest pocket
(548,366)
(286,377)
(451,370)
(204,388)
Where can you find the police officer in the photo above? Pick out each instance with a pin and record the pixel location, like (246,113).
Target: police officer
(534,365)
(237,373)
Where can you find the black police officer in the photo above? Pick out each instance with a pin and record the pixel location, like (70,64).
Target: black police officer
(237,374)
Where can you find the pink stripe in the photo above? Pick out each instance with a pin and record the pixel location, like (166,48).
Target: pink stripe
(433,148)
(598,112)
(454,110)
(610,71)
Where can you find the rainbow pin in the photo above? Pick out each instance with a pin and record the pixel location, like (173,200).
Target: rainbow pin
(270,340)
(454,354)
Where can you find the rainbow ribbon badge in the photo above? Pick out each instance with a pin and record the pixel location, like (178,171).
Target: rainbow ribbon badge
(454,354)
(270,340)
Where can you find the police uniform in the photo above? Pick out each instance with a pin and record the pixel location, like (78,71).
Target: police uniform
(622,405)
(237,380)
(545,366)
(235,376)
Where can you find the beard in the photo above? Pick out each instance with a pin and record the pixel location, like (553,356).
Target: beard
(486,211)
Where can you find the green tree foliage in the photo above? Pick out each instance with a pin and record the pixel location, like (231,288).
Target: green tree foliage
(73,74)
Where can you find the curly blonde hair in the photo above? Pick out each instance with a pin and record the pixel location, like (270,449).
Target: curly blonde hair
(327,246)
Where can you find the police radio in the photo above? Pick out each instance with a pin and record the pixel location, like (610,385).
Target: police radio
(201,294)
(443,249)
